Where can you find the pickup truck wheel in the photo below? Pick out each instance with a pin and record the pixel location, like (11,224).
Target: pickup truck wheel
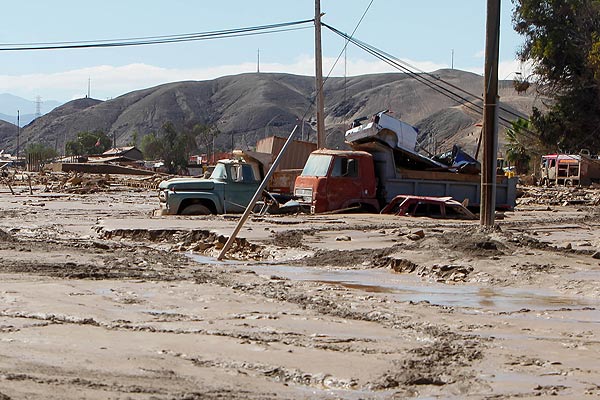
(196,209)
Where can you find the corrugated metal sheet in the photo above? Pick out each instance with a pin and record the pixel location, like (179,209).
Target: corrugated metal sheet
(294,158)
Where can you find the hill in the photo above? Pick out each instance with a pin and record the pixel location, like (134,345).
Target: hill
(8,134)
(248,107)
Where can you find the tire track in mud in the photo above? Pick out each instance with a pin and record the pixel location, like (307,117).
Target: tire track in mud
(79,382)
(274,373)
(421,367)
(265,338)
(155,387)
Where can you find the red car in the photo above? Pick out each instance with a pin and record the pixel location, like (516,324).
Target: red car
(425,206)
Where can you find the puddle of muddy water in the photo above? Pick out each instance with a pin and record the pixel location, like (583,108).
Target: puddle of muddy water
(201,259)
(404,287)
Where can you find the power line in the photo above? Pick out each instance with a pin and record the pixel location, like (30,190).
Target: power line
(151,40)
(320,86)
(427,79)
(347,41)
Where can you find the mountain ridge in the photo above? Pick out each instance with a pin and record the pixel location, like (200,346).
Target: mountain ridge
(247,107)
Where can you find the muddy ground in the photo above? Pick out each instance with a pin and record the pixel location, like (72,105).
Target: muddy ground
(100,299)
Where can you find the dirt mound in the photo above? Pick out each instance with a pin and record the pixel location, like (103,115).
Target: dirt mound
(431,365)
(200,241)
(290,239)
(5,236)
(474,242)
(349,258)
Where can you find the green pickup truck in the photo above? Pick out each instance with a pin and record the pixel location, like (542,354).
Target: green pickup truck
(228,190)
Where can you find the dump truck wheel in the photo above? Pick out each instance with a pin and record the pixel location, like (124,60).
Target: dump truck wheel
(196,209)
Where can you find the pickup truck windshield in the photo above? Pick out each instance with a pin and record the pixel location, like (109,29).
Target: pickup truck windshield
(219,173)
(317,165)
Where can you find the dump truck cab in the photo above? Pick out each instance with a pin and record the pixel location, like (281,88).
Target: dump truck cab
(337,180)
(229,189)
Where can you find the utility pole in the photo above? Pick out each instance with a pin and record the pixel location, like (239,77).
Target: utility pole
(319,78)
(258,61)
(452,60)
(490,114)
(18,132)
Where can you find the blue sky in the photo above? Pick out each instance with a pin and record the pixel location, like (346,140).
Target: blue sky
(422,33)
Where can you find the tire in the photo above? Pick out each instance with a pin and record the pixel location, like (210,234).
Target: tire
(196,209)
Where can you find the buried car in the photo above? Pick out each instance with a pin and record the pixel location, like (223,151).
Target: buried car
(427,206)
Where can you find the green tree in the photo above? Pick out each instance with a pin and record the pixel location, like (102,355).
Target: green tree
(40,152)
(562,41)
(205,135)
(134,139)
(89,143)
(170,145)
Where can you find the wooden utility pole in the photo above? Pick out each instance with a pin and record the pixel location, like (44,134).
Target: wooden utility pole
(18,132)
(319,78)
(490,114)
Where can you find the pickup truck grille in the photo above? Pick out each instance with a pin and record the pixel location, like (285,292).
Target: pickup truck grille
(305,194)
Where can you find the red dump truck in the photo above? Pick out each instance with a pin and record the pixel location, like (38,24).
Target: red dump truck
(335,180)
(381,166)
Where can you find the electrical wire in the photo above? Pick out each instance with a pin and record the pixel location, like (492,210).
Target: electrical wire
(347,41)
(312,100)
(152,40)
(427,79)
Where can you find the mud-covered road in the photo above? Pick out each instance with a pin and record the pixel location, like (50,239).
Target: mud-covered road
(100,299)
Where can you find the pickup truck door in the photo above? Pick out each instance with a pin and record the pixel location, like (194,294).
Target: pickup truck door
(240,188)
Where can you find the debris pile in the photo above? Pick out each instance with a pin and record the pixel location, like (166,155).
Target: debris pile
(199,241)
(78,182)
(560,195)
(440,273)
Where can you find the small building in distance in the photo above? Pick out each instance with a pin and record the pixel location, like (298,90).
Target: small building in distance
(129,154)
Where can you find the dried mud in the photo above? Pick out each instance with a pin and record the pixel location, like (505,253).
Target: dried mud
(107,303)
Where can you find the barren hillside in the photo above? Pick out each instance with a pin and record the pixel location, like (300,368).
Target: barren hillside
(250,106)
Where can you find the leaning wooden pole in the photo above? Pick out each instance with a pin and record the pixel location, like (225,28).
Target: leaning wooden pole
(257,195)
(490,114)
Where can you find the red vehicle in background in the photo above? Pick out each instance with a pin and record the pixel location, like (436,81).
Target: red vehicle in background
(426,206)
(569,169)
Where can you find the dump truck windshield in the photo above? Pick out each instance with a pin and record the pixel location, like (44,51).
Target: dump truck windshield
(317,165)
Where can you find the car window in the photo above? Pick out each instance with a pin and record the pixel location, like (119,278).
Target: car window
(420,210)
(424,209)
(454,211)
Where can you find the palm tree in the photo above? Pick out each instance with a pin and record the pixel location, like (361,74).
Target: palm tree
(520,146)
